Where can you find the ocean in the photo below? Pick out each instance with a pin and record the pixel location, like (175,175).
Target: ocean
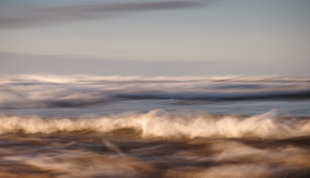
(116,126)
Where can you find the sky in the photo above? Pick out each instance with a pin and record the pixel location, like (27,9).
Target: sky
(155,37)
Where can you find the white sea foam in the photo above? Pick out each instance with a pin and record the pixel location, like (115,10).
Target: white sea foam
(72,163)
(164,124)
(248,161)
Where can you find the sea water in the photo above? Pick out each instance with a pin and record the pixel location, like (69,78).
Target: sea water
(112,126)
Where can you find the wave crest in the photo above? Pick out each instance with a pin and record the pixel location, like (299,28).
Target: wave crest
(167,125)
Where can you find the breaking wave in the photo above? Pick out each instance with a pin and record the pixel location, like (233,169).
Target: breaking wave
(162,124)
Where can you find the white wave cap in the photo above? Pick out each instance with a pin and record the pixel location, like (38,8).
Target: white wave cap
(166,125)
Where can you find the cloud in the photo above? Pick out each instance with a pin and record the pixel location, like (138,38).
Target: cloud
(47,15)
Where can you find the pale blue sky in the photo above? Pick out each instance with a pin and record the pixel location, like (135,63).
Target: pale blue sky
(152,37)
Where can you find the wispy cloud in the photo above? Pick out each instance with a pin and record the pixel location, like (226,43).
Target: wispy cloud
(47,15)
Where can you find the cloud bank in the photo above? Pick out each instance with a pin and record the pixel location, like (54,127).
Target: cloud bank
(47,15)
